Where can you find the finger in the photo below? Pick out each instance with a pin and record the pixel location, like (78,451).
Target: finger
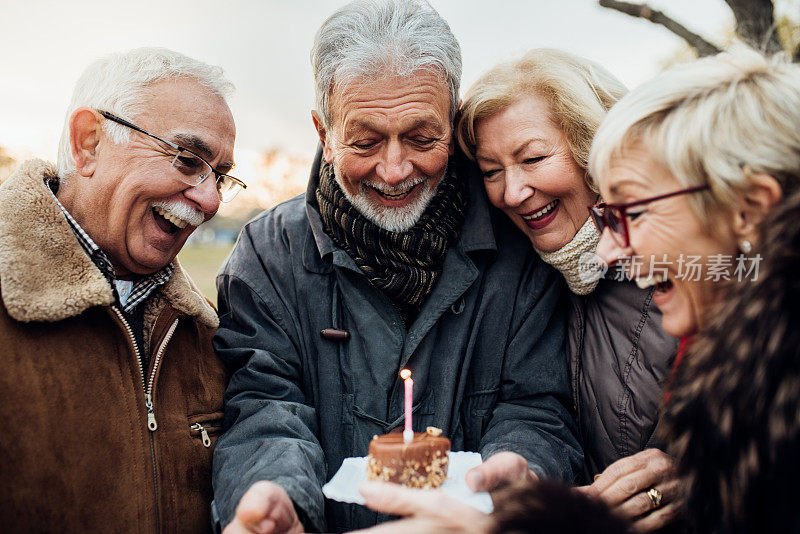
(235,527)
(659,518)
(256,503)
(265,526)
(617,470)
(266,507)
(500,468)
(474,479)
(628,487)
(428,510)
(399,500)
(284,516)
(641,503)
(657,470)
(625,488)
(404,526)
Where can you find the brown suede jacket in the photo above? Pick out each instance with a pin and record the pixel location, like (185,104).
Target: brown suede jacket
(79,449)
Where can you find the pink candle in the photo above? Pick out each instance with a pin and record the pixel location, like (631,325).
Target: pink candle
(408,433)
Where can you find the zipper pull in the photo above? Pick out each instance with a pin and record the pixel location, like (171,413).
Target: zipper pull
(151,416)
(203,434)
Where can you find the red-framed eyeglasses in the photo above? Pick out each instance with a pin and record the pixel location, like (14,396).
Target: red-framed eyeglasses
(615,217)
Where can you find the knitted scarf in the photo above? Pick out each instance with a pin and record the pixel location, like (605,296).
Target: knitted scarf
(403,265)
(567,259)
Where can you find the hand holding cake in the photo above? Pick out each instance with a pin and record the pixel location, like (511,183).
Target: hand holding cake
(424,511)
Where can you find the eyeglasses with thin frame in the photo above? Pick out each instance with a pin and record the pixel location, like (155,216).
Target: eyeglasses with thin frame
(615,216)
(189,167)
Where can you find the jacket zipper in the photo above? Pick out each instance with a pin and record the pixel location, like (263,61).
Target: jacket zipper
(151,415)
(203,434)
(152,425)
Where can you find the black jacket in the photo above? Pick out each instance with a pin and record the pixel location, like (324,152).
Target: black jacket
(486,352)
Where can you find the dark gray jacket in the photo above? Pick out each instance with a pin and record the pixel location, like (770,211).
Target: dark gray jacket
(619,360)
(486,352)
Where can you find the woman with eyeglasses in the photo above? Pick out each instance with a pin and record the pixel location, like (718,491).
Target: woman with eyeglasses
(690,165)
(529,125)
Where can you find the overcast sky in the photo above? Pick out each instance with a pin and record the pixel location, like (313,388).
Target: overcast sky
(264,45)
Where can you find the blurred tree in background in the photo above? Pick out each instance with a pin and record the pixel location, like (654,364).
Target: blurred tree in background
(277,177)
(770,26)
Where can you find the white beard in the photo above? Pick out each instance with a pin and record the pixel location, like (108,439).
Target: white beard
(390,218)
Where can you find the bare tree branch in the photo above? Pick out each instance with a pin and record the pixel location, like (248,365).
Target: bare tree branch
(755,24)
(703,47)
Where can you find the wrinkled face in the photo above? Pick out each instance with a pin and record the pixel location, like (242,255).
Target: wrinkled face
(670,232)
(117,204)
(389,143)
(530,174)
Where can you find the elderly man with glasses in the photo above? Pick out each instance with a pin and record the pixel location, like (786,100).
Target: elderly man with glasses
(110,391)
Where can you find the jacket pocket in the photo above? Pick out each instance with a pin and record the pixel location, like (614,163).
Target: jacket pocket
(425,407)
(477,411)
(206,427)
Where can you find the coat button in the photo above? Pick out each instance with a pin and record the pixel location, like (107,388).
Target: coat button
(335,334)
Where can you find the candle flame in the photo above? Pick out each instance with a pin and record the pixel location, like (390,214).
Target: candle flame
(405,374)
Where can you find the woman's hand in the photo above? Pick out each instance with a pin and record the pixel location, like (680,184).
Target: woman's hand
(424,510)
(627,485)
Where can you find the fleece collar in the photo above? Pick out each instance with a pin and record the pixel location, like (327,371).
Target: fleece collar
(44,273)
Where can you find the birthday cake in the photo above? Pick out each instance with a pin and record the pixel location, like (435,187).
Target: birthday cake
(420,463)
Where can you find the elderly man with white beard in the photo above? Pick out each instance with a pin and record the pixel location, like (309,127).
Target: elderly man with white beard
(392,259)
(110,391)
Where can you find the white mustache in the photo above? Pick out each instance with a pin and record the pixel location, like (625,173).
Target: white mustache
(182,211)
(401,188)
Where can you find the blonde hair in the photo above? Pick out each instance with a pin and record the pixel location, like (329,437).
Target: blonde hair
(714,121)
(578,91)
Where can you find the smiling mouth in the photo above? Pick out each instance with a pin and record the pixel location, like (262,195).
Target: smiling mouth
(542,212)
(397,194)
(661,282)
(168,222)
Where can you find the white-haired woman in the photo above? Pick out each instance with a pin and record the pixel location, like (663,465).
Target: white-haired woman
(690,165)
(529,125)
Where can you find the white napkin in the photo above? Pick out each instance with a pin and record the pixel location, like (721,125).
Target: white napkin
(343,486)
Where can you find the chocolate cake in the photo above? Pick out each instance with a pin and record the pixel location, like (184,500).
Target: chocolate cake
(421,463)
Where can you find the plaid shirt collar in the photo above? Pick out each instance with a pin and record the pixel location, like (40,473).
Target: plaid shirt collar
(142,288)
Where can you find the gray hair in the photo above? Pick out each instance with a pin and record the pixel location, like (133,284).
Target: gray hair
(713,121)
(375,38)
(116,84)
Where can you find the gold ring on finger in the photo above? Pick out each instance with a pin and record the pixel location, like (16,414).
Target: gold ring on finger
(655,497)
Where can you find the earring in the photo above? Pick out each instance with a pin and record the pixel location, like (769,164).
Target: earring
(746,246)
